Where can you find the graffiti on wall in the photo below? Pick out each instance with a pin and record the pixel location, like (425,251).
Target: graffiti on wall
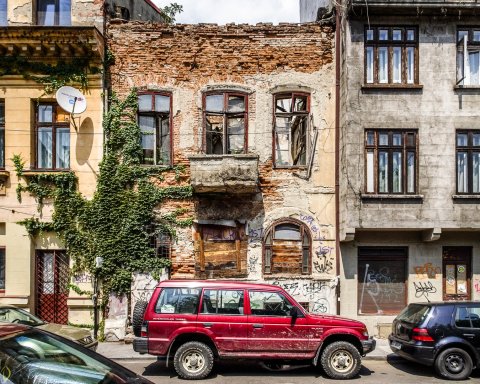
(476,286)
(143,285)
(427,271)
(381,288)
(319,294)
(424,289)
(324,262)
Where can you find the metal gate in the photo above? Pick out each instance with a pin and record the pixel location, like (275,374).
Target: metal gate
(52,271)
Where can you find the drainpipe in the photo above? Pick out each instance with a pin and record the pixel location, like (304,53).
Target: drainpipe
(338,20)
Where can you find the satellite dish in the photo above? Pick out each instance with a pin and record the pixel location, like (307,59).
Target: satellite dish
(71,100)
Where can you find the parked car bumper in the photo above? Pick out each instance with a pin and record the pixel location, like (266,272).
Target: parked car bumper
(368,345)
(93,346)
(414,352)
(140,345)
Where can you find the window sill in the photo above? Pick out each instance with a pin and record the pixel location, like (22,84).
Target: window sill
(4,175)
(473,87)
(393,86)
(466,198)
(34,172)
(391,197)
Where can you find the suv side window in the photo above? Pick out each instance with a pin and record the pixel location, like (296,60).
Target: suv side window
(467,317)
(227,302)
(178,300)
(269,304)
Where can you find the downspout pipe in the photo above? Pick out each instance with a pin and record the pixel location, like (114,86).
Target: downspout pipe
(338,27)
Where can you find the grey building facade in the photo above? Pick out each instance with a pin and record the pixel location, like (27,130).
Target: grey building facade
(409,151)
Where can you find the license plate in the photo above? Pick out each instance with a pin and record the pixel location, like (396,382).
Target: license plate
(396,345)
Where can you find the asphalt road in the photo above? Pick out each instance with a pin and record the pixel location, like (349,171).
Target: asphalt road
(373,372)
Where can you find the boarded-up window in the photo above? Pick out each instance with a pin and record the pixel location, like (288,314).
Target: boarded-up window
(381,280)
(221,251)
(287,249)
(456,273)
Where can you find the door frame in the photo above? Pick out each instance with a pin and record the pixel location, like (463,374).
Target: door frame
(456,257)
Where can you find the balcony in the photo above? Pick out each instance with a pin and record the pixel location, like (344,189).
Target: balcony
(415,7)
(224,173)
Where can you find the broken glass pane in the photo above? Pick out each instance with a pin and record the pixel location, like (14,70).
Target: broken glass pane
(284,105)
(214,135)
(298,140)
(236,104)
(214,103)
(147,129)
(236,135)
(300,104)
(163,152)
(281,149)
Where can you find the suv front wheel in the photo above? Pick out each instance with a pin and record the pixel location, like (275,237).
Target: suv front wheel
(454,364)
(341,360)
(193,360)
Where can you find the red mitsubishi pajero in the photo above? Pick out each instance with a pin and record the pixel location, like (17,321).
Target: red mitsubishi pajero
(198,321)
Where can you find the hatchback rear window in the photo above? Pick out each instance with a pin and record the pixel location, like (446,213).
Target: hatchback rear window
(414,313)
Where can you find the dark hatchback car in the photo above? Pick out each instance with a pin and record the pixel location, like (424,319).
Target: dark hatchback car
(33,356)
(445,335)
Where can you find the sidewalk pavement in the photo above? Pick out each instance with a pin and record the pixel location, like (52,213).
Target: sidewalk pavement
(122,351)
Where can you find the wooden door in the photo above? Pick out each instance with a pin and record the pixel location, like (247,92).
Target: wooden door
(457,273)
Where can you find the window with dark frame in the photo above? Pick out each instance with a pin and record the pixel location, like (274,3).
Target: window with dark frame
(52,135)
(2,269)
(287,249)
(161,243)
(225,116)
(290,142)
(391,161)
(154,119)
(2,135)
(382,277)
(391,55)
(468,56)
(54,12)
(3,13)
(468,162)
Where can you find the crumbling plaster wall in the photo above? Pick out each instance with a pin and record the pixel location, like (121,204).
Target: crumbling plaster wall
(260,60)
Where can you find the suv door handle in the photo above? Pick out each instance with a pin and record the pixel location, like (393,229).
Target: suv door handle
(257,325)
(468,335)
(207,325)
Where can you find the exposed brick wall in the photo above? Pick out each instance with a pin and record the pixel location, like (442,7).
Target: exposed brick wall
(186,59)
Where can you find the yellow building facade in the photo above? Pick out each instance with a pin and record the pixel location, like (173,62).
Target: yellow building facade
(34,272)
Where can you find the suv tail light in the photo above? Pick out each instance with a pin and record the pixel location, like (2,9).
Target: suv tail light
(421,334)
(144,331)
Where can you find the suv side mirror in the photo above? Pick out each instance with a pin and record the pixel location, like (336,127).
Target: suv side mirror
(295,312)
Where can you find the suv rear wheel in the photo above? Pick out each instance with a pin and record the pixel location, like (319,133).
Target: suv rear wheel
(454,364)
(193,360)
(341,360)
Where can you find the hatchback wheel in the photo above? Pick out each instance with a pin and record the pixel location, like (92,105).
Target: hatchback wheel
(341,360)
(193,360)
(454,364)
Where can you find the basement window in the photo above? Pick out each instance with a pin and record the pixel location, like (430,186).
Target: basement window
(225,117)
(291,129)
(391,55)
(468,56)
(154,119)
(287,249)
(3,13)
(54,12)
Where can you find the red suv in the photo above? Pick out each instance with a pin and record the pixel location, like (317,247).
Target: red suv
(199,321)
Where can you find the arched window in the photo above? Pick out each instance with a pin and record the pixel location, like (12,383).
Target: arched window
(287,249)
(225,119)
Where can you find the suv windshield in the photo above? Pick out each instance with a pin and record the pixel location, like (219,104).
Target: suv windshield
(414,313)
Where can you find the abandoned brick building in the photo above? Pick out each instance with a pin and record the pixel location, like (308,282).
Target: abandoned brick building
(250,112)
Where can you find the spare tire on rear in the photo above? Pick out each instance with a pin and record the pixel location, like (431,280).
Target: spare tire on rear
(137,316)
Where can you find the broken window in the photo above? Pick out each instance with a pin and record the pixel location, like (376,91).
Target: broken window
(3,13)
(54,12)
(391,55)
(291,129)
(287,249)
(222,250)
(160,242)
(391,161)
(154,121)
(468,162)
(225,116)
(52,137)
(468,56)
